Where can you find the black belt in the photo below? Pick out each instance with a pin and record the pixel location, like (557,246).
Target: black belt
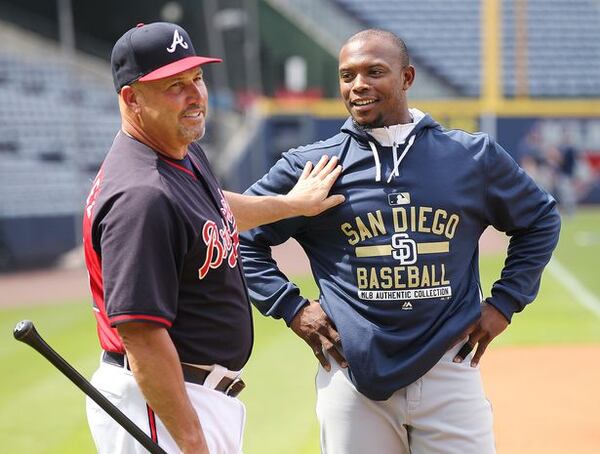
(229,386)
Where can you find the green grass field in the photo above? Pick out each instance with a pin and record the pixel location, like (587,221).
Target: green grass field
(41,412)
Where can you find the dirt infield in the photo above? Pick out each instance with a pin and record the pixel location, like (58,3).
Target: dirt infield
(545,399)
(43,287)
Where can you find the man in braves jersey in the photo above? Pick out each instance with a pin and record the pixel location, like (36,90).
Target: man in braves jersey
(397,265)
(161,248)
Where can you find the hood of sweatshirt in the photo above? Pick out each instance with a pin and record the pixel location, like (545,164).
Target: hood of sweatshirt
(398,138)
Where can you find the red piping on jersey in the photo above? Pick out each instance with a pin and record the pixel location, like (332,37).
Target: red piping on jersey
(177,166)
(150,318)
(152,422)
(109,337)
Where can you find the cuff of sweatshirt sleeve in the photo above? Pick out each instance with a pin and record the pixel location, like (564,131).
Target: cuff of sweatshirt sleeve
(505,306)
(291,309)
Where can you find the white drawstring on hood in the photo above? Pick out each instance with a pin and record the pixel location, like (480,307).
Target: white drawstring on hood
(394,136)
(376,159)
(398,160)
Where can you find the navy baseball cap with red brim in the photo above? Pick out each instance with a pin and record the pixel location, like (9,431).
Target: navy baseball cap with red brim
(153,51)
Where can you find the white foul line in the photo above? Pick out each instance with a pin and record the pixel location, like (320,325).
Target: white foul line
(576,288)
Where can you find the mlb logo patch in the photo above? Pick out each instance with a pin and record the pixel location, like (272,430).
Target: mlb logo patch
(399,198)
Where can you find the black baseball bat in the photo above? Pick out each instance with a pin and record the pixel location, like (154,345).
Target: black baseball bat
(25,332)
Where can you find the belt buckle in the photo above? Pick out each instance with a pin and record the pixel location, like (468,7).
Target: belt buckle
(235,387)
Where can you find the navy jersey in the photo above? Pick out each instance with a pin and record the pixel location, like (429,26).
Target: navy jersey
(161,246)
(397,263)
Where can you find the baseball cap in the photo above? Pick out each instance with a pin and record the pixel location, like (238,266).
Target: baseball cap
(153,51)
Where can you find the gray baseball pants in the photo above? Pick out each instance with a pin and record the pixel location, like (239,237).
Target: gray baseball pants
(445,411)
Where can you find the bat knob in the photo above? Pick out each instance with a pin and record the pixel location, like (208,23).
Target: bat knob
(23,329)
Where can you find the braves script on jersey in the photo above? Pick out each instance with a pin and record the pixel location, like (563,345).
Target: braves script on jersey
(161,245)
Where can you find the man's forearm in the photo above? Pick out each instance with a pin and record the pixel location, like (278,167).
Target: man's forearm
(252,211)
(157,370)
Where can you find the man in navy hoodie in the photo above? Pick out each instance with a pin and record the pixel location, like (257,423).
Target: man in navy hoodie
(400,309)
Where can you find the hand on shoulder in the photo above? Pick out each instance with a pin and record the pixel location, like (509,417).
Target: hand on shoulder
(310,196)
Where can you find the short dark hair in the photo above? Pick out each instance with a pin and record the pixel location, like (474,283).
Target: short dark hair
(384,34)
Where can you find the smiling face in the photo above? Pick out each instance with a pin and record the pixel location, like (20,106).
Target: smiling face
(374,81)
(170,113)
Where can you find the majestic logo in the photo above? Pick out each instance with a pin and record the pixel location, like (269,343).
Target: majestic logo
(407,306)
(399,198)
(221,244)
(177,39)
(404,249)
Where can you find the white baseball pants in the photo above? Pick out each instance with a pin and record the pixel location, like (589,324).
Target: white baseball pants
(222,417)
(445,411)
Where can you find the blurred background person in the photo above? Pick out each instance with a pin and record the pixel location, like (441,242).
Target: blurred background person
(566,178)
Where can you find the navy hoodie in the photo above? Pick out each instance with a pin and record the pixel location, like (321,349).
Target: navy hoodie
(397,263)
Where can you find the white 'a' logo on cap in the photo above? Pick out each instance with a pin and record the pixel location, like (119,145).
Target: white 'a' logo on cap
(177,39)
